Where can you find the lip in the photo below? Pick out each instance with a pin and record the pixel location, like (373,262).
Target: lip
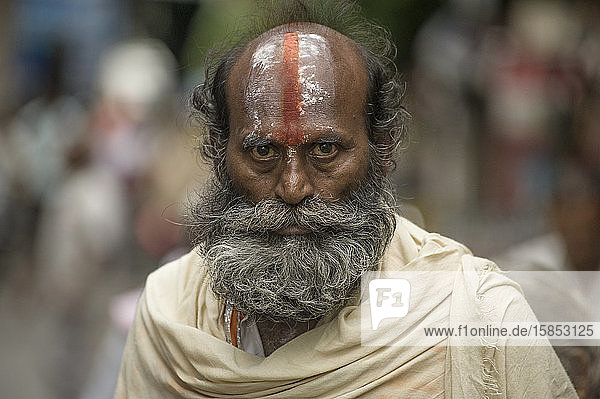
(293,230)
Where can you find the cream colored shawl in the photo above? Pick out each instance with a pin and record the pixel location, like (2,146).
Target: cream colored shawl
(177,346)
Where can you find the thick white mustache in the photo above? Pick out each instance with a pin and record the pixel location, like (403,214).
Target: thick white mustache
(296,277)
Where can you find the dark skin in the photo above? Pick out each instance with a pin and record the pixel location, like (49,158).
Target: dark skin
(274,169)
(276,152)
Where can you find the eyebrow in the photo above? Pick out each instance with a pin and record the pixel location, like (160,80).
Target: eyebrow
(254,140)
(329,136)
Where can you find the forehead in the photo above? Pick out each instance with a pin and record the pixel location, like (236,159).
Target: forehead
(301,61)
(296,76)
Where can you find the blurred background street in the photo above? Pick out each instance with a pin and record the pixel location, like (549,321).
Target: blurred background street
(98,158)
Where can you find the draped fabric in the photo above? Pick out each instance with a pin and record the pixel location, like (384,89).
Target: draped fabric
(177,346)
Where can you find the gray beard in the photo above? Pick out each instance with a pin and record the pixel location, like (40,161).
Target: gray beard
(291,277)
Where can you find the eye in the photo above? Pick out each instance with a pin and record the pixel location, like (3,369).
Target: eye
(324,150)
(263,152)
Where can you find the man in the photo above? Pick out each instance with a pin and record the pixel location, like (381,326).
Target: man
(304,121)
(569,257)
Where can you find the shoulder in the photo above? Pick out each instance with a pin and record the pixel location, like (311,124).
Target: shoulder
(177,271)
(478,285)
(175,283)
(413,248)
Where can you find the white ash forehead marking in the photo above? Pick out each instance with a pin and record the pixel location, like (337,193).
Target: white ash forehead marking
(264,58)
(324,128)
(313,93)
(264,55)
(291,151)
(310,48)
(312,44)
(315,84)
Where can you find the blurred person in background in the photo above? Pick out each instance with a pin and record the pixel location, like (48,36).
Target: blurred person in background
(302,127)
(532,79)
(70,202)
(446,110)
(573,244)
(39,139)
(135,107)
(574,214)
(81,232)
(154,161)
(49,56)
(158,231)
(49,61)
(85,229)
(134,134)
(497,86)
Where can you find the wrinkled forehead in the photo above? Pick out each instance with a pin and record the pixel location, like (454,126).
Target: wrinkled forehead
(294,74)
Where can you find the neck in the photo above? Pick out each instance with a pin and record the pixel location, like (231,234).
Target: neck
(275,334)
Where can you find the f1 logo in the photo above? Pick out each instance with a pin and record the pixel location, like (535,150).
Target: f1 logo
(389,298)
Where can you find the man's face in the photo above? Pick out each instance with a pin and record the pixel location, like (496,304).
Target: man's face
(297,119)
(300,215)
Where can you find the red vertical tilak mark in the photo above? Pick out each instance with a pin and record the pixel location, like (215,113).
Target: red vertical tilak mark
(291,134)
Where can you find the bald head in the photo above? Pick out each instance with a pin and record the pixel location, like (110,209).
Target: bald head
(299,71)
(291,73)
(297,115)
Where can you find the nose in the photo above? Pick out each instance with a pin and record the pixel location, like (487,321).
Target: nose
(294,183)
